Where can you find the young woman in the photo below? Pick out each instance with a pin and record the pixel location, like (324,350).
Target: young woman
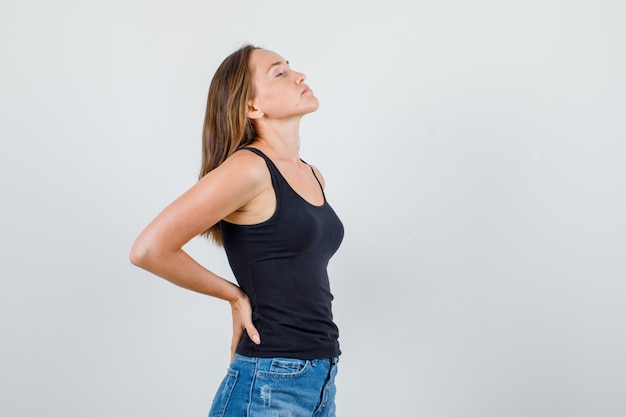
(266,206)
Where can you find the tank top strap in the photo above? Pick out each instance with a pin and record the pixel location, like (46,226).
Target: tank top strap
(268,161)
(315,176)
(277,178)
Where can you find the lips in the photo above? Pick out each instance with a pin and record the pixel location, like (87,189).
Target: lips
(307,90)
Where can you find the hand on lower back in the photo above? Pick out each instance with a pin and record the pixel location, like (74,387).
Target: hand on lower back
(242,321)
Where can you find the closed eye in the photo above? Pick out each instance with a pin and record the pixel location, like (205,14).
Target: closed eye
(280,65)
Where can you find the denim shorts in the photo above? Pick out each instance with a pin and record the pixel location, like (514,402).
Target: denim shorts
(277,387)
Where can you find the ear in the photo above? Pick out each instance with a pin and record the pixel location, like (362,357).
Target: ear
(253,111)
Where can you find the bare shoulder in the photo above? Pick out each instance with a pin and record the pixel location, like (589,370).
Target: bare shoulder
(238,180)
(245,164)
(242,172)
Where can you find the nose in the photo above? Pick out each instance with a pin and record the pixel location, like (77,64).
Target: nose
(300,77)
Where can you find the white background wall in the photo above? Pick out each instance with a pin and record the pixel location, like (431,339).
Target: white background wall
(475,151)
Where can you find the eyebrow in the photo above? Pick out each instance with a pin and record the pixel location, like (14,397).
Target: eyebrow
(278,63)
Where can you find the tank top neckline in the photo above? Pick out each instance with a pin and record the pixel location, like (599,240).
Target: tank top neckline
(267,159)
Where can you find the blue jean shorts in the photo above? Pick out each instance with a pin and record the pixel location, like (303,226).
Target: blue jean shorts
(277,387)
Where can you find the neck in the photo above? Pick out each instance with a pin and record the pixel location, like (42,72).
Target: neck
(282,140)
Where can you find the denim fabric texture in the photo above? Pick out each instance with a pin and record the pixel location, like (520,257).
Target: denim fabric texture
(277,387)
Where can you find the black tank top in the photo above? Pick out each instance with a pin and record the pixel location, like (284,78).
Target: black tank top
(281,264)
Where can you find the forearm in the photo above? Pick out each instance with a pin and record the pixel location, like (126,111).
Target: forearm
(181,269)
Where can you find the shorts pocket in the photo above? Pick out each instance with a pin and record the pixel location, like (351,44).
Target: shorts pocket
(286,368)
(224,392)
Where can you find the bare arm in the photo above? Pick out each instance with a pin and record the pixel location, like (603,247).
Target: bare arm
(158,249)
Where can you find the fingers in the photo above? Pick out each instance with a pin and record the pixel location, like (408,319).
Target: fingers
(244,323)
(238,335)
(242,320)
(253,334)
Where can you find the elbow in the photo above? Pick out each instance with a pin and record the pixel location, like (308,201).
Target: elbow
(150,253)
(135,257)
(139,254)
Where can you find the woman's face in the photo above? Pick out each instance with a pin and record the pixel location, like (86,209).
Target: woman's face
(280,92)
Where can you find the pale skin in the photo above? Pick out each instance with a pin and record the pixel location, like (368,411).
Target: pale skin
(239,191)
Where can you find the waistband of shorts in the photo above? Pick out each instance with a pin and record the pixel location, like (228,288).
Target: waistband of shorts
(254,359)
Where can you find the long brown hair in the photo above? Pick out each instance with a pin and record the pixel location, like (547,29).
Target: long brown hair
(226,126)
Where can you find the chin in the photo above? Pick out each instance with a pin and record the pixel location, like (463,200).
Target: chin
(312,110)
